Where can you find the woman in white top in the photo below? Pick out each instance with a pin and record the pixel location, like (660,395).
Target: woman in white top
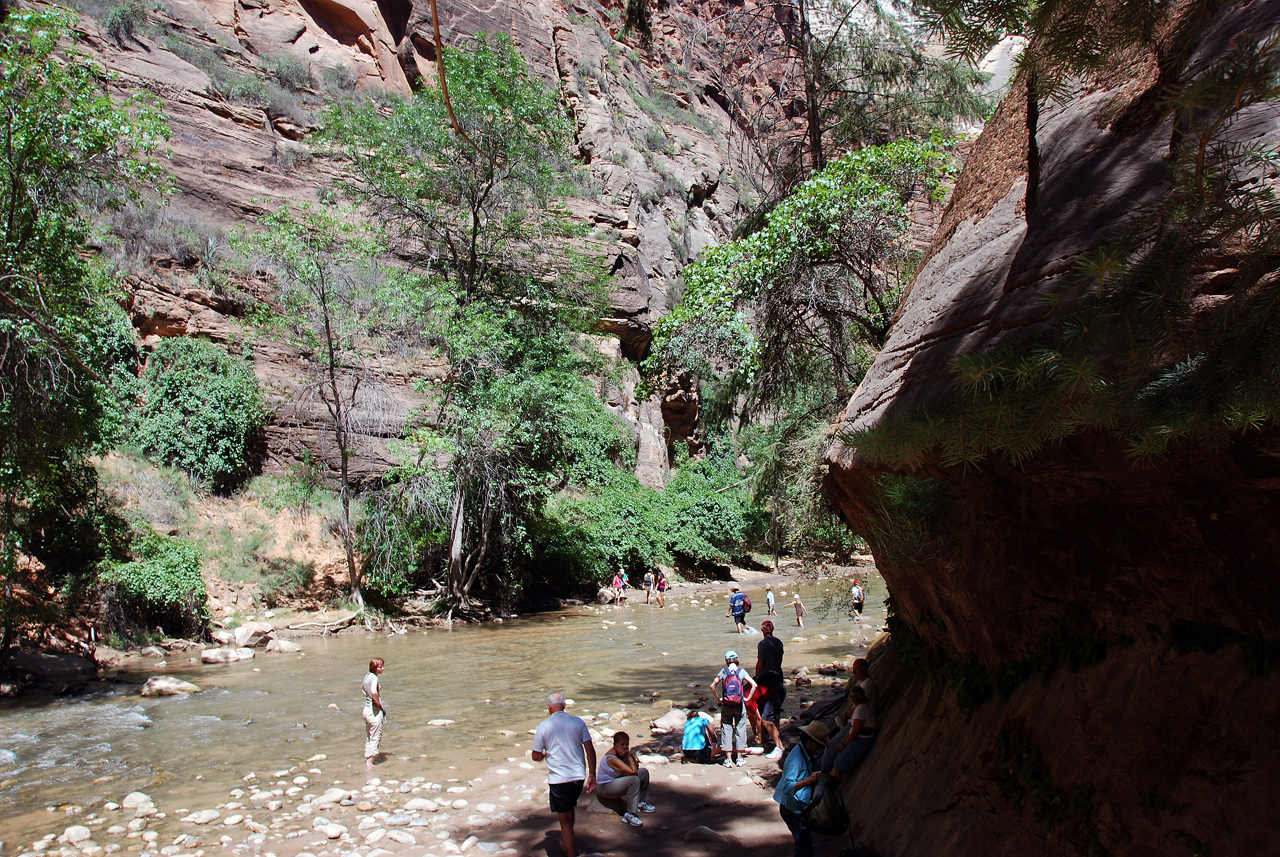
(621,776)
(375,714)
(855,740)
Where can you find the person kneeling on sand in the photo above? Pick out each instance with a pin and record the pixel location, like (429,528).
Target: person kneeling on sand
(700,738)
(622,777)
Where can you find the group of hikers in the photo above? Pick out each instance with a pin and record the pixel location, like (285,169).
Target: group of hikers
(750,705)
(740,606)
(655,587)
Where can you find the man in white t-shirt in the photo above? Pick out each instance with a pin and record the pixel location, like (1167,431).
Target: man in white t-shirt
(565,742)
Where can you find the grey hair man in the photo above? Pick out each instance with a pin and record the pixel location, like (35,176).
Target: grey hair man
(565,743)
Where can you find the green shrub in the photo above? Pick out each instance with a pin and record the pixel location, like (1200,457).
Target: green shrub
(293,73)
(200,410)
(161,587)
(124,20)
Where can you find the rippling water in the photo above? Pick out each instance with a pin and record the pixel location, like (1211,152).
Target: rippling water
(276,710)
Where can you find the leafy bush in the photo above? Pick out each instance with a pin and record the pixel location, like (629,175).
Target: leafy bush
(124,20)
(162,586)
(200,410)
(292,72)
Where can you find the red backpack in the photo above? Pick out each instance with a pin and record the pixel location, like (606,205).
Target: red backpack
(746,603)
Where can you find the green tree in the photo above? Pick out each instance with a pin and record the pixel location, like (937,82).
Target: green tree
(200,409)
(62,141)
(809,78)
(479,215)
(324,268)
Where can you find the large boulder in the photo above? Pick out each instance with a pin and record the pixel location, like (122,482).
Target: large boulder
(287,647)
(254,634)
(226,655)
(606,596)
(167,685)
(671,721)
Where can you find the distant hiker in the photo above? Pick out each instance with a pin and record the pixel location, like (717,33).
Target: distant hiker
(618,586)
(800,610)
(648,586)
(375,713)
(859,598)
(563,740)
(738,608)
(795,786)
(769,602)
(699,738)
(736,685)
(662,588)
(622,777)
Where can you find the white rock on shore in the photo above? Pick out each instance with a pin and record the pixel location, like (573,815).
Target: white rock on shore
(286,647)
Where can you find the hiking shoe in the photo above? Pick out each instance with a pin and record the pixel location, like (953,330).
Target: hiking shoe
(775,753)
(742,761)
(647,807)
(632,820)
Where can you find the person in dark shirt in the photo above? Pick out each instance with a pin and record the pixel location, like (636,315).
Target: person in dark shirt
(768,650)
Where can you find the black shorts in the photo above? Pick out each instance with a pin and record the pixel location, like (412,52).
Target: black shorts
(564,796)
(740,618)
(703,755)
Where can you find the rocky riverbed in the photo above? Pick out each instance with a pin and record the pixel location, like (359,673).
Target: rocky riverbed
(323,807)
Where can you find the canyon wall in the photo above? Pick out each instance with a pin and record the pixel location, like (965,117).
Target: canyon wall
(1121,618)
(666,174)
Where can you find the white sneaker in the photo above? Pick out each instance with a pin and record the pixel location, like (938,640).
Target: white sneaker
(648,807)
(632,820)
(775,753)
(742,761)
(728,763)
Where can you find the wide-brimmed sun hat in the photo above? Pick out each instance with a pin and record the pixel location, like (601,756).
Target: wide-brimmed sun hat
(817,731)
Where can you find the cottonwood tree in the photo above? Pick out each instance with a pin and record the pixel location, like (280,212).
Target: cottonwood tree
(324,266)
(809,79)
(480,216)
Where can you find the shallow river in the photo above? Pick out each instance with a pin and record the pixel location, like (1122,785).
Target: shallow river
(277,710)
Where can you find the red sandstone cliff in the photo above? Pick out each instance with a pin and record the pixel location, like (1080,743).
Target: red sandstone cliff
(1167,743)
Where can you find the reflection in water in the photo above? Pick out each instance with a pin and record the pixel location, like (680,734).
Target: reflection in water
(186,752)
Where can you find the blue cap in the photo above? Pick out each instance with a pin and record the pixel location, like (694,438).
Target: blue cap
(730,655)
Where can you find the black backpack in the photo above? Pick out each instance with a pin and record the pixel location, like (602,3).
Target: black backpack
(825,812)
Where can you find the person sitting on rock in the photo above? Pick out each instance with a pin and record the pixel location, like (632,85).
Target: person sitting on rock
(699,743)
(854,740)
(621,776)
(795,786)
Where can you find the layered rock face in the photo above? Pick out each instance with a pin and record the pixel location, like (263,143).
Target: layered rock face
(657,145)
(1164,743)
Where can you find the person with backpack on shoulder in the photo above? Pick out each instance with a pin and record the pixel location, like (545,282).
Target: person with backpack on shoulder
(736,686)
(738,608)
(795,786)
(859,598)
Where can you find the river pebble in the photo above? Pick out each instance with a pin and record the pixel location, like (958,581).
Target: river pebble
(422,804)
(404,837)
(334,831)
(398,820)
(374,836)
(204,816)
(75,834)
(460,803)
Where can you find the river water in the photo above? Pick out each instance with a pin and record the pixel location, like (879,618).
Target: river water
(277,710)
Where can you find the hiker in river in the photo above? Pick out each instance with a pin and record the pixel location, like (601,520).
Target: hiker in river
(622,777)
(564,741)
(795,786)
(648,586)
(738,609)
(662,588)
(859,598)
(769,603)
(619,587)
(800,610)
(737,687)
(375,714)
